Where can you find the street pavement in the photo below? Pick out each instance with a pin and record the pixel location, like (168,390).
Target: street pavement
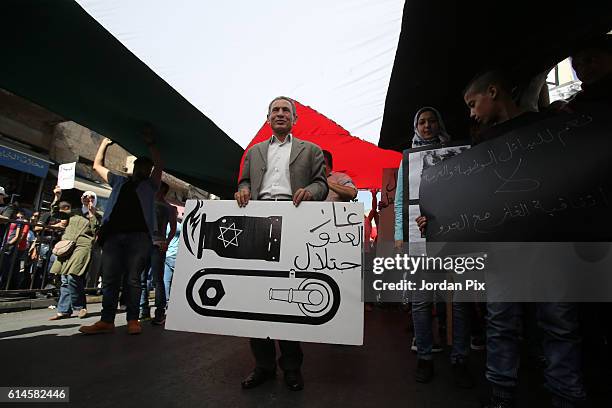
(162,368)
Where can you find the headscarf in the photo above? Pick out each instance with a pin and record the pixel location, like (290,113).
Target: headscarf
(419,140)
(84,209)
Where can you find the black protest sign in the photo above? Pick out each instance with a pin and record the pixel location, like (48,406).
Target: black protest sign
(547,181)
(414,162)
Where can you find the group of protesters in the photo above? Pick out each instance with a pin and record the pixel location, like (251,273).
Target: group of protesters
(491,101)
(26,245)
(138,234)
(489,97)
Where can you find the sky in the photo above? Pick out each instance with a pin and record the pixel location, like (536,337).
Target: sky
(229,59)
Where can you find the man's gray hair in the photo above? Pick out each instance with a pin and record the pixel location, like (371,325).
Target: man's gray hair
(284,98)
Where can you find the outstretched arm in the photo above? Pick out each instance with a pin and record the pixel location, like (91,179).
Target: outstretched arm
(98,165)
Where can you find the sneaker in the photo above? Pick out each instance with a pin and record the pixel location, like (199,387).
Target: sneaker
(436,348)
(60,316)
(98,327)
(159,320)
(82,314)
(424,371)
(477,343)
(463,377)
(134,327)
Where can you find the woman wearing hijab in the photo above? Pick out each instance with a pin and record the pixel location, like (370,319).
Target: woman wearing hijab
(82,227)
(429,130)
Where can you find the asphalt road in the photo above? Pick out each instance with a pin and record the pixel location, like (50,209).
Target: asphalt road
(162,368)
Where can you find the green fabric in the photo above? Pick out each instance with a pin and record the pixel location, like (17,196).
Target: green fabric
(56,55)
(77,263)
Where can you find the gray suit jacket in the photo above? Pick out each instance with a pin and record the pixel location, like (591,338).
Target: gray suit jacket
(306,168)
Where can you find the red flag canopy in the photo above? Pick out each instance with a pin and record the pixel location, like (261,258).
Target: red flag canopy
(361,160)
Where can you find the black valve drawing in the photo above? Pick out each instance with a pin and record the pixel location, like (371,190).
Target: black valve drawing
(317,295)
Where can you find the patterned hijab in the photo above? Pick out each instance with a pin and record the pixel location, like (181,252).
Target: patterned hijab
(84,209)
(442,137)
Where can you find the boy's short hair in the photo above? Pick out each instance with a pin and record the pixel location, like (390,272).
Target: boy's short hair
(481,82)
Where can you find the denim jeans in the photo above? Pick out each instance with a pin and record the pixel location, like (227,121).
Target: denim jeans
(421,316)
(124,254)
(561,346)
(72,294)
(168,273)
(154,277)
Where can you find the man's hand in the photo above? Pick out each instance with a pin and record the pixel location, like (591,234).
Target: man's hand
(57,192)
(242,197)
(421,223)
(301,195)
(107,142)
(399,244)
(91,208)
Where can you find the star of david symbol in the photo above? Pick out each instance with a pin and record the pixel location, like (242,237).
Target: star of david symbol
(231,230)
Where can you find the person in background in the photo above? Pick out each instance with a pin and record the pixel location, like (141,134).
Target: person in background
(593,66)
(429,130)
(165,215)
(15,250)
(72,268)
(171,257)
(370,236)
(488,96)
(126,233)
(7,211)
(341,187)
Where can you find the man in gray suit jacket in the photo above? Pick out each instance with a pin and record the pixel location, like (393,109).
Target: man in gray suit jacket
(281,168)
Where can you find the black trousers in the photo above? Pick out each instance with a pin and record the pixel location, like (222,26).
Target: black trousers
(264,351)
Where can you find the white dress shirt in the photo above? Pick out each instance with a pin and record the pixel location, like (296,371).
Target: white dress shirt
(276,183)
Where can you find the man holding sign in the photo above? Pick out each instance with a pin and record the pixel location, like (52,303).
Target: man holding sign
(126,234)
(281,168)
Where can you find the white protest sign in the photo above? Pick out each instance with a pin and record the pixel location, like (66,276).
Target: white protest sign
(65,176)
(418,160)
(270,270)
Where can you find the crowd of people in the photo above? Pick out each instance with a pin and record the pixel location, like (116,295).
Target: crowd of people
(135,238)
(25,258)
(138,235)
(489,97)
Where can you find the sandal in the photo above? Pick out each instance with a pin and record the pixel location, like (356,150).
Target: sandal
(60,316)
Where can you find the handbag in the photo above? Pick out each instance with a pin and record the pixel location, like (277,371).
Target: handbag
(65,247)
